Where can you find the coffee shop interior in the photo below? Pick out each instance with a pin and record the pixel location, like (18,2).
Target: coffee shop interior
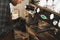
(34,20)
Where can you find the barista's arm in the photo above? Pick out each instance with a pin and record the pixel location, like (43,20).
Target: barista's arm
(33,5)
(31,32)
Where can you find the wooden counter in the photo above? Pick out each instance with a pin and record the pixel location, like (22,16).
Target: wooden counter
(8,36)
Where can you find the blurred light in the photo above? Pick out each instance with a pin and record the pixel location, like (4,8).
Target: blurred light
(53,5)
(49,2)
(38,10)
(57,7)
(25,7)
(43,17)
(55,22)
(51,16)
(59,24)
(42,3)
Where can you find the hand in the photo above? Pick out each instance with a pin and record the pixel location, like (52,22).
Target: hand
(15,2)
(36,38)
